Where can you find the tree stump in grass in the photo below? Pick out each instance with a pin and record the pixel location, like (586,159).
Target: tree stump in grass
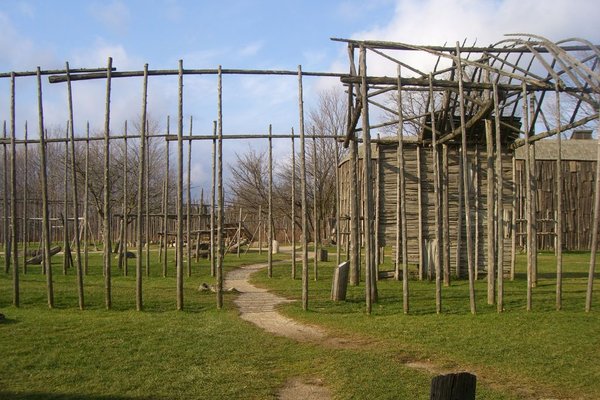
(460,386)
(340,281)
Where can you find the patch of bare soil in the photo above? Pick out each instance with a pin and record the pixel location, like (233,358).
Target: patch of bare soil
(298,388)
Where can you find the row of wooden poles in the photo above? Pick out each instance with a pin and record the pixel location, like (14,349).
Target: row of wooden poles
(217,206)
(370,233)
(217,197)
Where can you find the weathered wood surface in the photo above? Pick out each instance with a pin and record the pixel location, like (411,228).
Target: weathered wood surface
(460,386)
(339,285)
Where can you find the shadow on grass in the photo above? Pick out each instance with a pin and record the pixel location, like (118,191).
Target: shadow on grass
(70,396)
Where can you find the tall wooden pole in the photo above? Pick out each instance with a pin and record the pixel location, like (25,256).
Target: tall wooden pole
(303,193)
(533,217)
(188,201)
(13,195)
(370,281)
(140,195)
(25,204)
(86,200)
(465,176)
(107,189)
(147,201)
(220,249)
(528,198)
(5,225)
(513,239)
(44,178)
(65,213)
(491,284)
(401,224)
(125,197)
(500,194)
(445,216)
(239,233)
(213,265)
(559,204)
(293,207)
(75,193)
(459,216)
(270,218)
(166,205)
(590,282)
(354,216)
(180,192)
(338,226)
(315,213)
(437,203)
(420,213)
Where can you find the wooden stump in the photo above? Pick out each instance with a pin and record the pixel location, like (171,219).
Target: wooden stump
(323,255)
(340,281)
(460,386)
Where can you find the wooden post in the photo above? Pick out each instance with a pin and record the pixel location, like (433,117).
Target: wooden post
(86,201)
(260,229)
(213,264)
(13,196)
(188,201)
(239,233)
(303,193)
(500,203)
(420,213)
(377,210)
(436,201)
(25,204)
(401,224)
(140,195)
(445,216)
(533,216)
(75,194)
(491,284)
(559,206)
(123,255)
(147,202)
(337,204)
(44,178)
(477,193)
(220,249)
(166,204)
(513,239)
(370,271)
(528,200)
(107,189)
(460,386)
(590,282)
(5,225)
(315,215)
(270,220)
(467,194)
(354,216)
(459,216)
(339,284)
(293,208)
(65,213)
(179,193)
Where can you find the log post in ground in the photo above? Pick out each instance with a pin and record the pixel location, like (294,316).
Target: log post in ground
(107,189)
(303,193)
(460,386)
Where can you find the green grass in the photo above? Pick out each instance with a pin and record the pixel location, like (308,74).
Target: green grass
(544,352)
(160,353)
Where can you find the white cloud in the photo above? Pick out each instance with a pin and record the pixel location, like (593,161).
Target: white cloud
(435,22)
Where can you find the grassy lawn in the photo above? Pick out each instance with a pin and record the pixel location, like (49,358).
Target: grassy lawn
(542,353)
(160,353)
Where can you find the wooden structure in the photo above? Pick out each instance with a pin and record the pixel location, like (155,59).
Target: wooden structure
(579,155)
(420,202)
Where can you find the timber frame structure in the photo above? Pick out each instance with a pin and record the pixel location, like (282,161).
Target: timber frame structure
(522,78)
(470,90)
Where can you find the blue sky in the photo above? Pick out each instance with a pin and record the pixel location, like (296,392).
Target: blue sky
(239,34)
